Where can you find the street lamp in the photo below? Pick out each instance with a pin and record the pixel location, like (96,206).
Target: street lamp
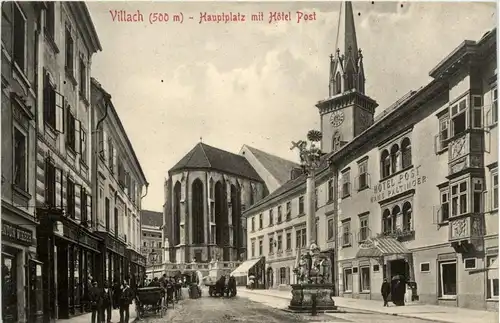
(153,257)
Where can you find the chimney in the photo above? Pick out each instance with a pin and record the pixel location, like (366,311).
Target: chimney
(295,172)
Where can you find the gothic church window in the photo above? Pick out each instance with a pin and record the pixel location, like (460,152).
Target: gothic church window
(338,83)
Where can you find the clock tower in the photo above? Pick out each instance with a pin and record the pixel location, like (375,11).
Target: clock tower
(347,111)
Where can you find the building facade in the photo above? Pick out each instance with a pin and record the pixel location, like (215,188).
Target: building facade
(418,193)
(21,266)
(152,237)
(66,245)
(119,184)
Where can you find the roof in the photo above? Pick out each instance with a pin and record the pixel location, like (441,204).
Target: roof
(279,168)
(152,218)
(88,26)
(383,246)
(203,156)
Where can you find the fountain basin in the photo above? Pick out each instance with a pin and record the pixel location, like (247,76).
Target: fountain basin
(302,298)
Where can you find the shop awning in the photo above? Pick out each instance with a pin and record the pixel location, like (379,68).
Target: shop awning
(245,267)
(379,247)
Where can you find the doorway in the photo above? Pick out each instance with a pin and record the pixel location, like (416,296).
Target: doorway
(270,276)
(399,268)
(9,288)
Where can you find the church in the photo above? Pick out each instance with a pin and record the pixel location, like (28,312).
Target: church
(205,194)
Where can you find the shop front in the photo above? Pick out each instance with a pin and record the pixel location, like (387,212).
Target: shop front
(21,271)
(136,264)
(69,253)
(114,259)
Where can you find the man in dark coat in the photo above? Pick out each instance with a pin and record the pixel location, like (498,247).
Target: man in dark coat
(116,293)
(107,303)
(95,298)
(126,297)
(385,290)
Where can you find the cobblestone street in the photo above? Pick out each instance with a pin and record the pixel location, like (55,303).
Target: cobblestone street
(239,309)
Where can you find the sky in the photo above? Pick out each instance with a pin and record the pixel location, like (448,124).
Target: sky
(257,83)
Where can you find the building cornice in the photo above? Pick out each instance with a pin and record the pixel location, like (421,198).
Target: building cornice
(85,26)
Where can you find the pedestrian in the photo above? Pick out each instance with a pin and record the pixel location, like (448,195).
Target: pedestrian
(95,301)
(126,297)
(385,290)
(116,293)
(107,303)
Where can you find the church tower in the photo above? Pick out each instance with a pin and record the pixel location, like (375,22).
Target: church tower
(347,111)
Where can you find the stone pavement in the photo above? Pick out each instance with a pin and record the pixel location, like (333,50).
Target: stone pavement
(115,317)
(419,311)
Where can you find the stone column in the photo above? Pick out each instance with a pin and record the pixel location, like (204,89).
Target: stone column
(311,209)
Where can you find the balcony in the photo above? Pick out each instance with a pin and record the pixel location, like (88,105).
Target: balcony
(466,228)
(465,152)
(400,234)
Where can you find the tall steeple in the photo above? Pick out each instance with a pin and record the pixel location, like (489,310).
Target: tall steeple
(346,71)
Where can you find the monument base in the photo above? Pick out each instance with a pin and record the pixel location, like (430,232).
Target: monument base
(302,298)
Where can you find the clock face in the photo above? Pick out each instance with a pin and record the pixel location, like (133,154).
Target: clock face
(337,118)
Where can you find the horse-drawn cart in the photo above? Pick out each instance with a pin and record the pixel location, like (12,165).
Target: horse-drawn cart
(150,300)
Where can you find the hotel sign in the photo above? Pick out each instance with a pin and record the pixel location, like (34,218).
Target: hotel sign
(398,184)
(16,233)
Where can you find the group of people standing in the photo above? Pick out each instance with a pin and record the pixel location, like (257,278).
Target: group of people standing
(396,289)
(103,299)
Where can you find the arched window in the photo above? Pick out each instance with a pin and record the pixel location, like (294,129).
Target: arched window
(197,205)
(235,216)
(407,216)
(406,153)
(211,188)
(394,158)
(396,211)
(385,164)
(177,214)
(336,141)
(338,83)
(252,194)
(387,221)
(221,235)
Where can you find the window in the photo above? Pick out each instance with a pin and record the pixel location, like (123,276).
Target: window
(50,20)
(331,229)
(477,195)
(83,145)
(494,191)
(288,241)
(107,211)
(407,220)
(363,231)
(70,136)
(425,267)
(301,205)
(288,211)
(458,117)
(300,238)
(459,198)
(363,175)
(389,220)
(346,183)
(271,217)
(253,248)
(83,205)
(271,244)
(477,111)
(53,106)
(330,190)
(283,276)
(364,279)
(70,198)
(159,244)
(20,160)
(376,268)
(444,211)
(253,223)
(448,279)
(19,53)
(444,131)
(280,242)
(261,247)
(405,153)
(279,214)
(385,164)
(83,79)
(494,105)
(347,280)
(116,222)
(492,288)
(346,233)
(470,263)
(395,154)
(260,221)
(69,52)
(50,184)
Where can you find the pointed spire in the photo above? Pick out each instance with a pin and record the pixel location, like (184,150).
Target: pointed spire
(350,41)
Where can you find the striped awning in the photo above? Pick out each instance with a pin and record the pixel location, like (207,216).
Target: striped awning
(379,247)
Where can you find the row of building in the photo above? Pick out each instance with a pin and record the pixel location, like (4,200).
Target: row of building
(72,185)
(412,192)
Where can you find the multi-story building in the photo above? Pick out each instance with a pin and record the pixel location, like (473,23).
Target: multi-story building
(152,236)
(21,281)
(66,245)
(119,184)
(418,189)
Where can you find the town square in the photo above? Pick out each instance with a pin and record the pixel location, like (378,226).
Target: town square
(183,161)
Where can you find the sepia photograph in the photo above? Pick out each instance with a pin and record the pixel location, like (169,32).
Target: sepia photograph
(249,161)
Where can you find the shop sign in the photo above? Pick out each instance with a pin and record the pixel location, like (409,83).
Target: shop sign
(16,233)
(398,184)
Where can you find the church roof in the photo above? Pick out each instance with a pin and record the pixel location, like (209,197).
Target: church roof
(151,218)
(203,156)
(279,168)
